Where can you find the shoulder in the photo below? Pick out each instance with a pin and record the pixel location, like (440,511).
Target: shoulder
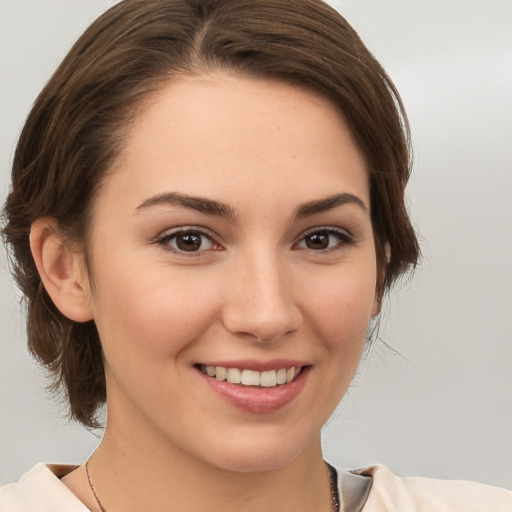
(40,490)
(390,492)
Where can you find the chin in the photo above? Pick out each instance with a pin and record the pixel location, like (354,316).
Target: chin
(260,453)
(254,462)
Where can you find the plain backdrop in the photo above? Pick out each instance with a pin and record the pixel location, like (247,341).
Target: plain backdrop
(442,405)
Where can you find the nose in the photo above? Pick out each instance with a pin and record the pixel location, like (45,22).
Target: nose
(261,304)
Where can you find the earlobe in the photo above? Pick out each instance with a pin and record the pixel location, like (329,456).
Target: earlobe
(379,292)
(376,307)
(61,270)
(387,250)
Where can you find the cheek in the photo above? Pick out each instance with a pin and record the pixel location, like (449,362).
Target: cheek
(342,309)
(144,318)
(343,321)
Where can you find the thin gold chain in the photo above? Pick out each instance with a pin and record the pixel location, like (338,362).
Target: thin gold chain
(332,475)
(92,486)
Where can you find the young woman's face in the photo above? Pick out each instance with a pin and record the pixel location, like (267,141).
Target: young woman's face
(233,241)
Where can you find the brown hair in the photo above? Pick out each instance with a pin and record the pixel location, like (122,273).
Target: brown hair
(78,123)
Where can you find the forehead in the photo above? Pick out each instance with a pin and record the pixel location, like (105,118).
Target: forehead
(211,134)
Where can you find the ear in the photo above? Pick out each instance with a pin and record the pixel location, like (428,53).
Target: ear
(61,269)
(376,306)
(379,293)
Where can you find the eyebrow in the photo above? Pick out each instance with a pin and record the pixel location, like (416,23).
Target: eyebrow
(201,204)
(218,209)
(328,203)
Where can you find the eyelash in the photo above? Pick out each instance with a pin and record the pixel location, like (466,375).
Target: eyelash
(343,237)
(166,239)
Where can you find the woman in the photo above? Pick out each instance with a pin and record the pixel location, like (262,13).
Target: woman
(206,210)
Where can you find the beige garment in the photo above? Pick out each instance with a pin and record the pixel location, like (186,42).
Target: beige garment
(390,492)
(40,490)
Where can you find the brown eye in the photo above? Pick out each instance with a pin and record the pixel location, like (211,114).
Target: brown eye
(318,240)
(325,239)
(188,241)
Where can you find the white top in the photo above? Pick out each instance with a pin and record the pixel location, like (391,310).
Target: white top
(40,490)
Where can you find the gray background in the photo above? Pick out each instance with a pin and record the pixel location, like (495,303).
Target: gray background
(443,407)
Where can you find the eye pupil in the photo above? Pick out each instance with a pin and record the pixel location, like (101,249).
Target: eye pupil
(317,241)
(188,242)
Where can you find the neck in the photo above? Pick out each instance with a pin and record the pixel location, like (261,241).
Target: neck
(134,471)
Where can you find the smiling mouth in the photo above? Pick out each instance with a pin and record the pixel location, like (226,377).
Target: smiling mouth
(245,377)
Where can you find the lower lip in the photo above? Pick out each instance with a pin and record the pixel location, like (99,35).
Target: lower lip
(257,399)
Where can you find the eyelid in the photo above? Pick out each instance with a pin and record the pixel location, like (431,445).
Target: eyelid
(328,228)
(167,235)
(346,238)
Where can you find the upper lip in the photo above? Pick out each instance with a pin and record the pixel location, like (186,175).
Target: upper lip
(257,365)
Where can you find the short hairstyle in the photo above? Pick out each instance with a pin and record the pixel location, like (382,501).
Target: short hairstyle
(79,122)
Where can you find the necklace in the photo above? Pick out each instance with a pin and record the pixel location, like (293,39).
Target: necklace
(92,486)
(332,474)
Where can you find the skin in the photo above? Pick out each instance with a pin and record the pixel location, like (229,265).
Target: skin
(255,290)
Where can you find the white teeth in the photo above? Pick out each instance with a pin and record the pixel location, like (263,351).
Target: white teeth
(267,379)
(250,378)
(234,375)
(220,373)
